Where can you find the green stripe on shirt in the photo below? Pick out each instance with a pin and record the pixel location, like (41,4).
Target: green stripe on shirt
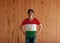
(30,33)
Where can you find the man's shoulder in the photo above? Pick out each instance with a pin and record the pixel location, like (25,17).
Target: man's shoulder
(35,18)
(26,19)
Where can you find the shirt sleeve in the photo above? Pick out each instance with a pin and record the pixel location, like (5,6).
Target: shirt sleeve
(23,22)
(38,22)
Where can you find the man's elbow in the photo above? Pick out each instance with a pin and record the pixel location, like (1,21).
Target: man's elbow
(41,25)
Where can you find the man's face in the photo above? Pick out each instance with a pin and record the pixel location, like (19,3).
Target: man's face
(30,14)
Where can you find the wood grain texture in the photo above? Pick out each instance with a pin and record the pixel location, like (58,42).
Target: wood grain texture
(13,12)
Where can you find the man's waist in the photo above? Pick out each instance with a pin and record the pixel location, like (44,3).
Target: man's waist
(30,33)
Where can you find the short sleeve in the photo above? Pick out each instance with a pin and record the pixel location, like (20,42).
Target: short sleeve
(23,22)
(37,22)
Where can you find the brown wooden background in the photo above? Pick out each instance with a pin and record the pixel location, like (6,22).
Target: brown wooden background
(12,12)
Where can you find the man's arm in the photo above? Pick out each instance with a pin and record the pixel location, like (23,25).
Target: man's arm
(22,29)
(40,27)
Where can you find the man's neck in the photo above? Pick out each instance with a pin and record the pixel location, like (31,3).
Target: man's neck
(31,18)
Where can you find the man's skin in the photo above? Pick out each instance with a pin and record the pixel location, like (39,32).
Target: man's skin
(31,16)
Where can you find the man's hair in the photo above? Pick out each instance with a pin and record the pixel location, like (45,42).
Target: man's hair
(30,10)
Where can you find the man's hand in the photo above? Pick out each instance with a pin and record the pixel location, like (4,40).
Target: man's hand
(24,33)
(38,34)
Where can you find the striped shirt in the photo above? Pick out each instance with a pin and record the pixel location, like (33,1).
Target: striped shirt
(30,26)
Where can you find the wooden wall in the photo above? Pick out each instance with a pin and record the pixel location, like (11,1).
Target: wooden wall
(12,12)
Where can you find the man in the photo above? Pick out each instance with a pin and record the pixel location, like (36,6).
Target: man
(31,23)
